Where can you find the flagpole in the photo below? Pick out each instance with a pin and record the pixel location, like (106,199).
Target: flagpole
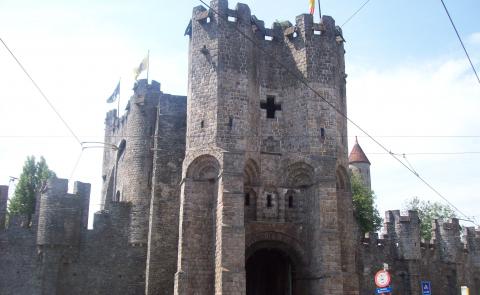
(119,96)
(319,11)
(148,64)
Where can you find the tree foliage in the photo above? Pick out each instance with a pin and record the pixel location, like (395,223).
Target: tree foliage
(31,181)
(428,212)
(364,207)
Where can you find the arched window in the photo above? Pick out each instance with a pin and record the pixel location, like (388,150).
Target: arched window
(290,201)
(117,196)
(121,149)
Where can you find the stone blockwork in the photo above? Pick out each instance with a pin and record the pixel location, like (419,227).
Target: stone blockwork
(243,188)
(446,261)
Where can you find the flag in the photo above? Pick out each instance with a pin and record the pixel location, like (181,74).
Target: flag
(115,94)
(142,67)
(312,6)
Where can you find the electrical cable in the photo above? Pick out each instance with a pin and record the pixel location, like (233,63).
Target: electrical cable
(461,42)
(355,13)
(305,82)
(41,92)
(76,164)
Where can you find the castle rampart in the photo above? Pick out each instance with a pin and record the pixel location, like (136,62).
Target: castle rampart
(445,261)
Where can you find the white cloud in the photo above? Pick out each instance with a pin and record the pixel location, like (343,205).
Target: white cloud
(474,38)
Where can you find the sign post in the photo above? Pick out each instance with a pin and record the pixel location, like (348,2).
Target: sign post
(382,280)
(426,288)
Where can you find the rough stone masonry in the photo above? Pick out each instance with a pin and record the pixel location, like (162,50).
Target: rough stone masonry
(242,187)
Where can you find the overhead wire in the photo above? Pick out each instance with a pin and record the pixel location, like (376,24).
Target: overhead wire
(355,13)
(41,92)
(305,82)
(461,42)
(50,104)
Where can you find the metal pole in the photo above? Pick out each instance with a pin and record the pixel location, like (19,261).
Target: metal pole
(119,96)
(148,64)
(319,11)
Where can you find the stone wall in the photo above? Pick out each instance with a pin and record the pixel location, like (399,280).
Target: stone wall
(446,261)
(59,255)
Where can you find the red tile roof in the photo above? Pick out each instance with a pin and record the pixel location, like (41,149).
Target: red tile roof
(357,155)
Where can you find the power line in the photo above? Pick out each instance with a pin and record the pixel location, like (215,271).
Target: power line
(41,92)
(76,164)
(355,13)
(305,82)
(461,42)
(427,153)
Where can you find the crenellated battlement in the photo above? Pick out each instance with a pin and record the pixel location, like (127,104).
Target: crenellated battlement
(401,239)
(304,46)
(61,215)
(279,31)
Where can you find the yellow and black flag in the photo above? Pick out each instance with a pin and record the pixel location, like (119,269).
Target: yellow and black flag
(142,67)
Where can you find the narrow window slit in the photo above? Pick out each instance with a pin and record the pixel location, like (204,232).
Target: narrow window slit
(247,199)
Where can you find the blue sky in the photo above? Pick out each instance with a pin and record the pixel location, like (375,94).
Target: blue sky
(407,76)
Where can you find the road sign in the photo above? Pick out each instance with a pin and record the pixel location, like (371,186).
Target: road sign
(465,290)
(426,288)
(382,279)
(384,290)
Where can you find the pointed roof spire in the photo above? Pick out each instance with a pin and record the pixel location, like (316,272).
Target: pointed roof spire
(357,155)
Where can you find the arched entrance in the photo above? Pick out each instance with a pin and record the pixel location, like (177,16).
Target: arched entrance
(270,271)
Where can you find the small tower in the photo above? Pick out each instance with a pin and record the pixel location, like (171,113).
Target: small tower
(359,164)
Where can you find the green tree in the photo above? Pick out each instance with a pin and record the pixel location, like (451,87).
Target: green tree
(364,207)
(31,181)
(428,212)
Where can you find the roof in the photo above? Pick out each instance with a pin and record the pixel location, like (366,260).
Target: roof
(357,155)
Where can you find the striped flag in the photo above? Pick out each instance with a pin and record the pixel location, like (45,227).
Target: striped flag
(312,6)
(142,67)
(115,94)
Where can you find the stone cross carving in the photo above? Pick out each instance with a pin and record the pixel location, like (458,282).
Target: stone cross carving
(270,106)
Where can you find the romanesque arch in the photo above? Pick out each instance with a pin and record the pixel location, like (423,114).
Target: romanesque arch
(205,167)
(251,179)
(299,174)
(274,263)
(251,173)
(197,220)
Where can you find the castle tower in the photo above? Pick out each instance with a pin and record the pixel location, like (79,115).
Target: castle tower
(264,177)
(359,164)
(127,169)
(62,217)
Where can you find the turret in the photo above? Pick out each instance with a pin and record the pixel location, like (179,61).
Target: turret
(446,234)
(135,158)
(472,239)
(62,215)
(3,205)
(359,164)
(404,233)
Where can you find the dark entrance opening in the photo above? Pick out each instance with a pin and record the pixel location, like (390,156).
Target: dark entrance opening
(270,272)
